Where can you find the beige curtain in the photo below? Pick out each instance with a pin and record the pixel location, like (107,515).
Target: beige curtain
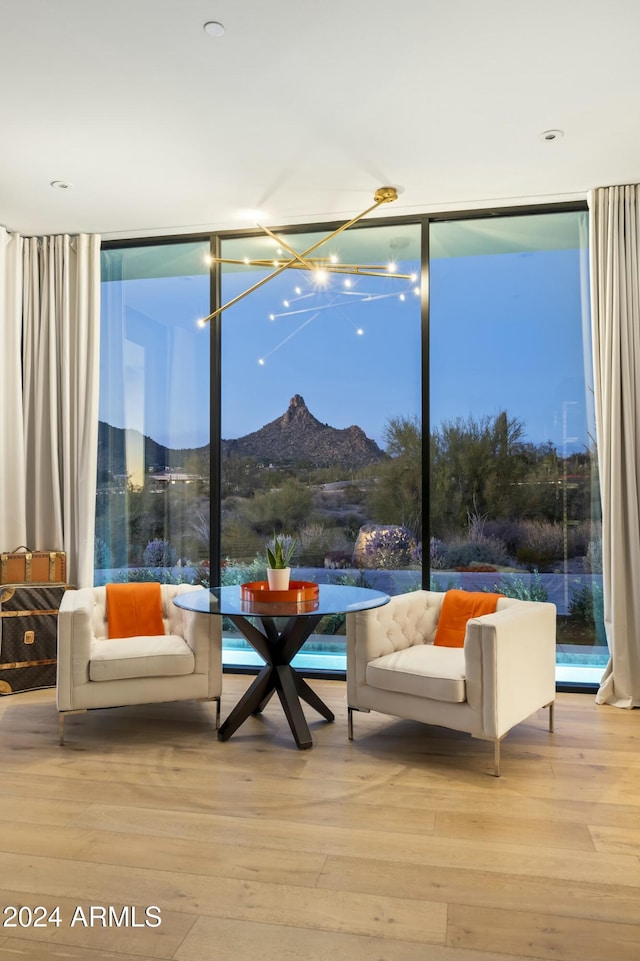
(61,340)
(13,529)
(615,304)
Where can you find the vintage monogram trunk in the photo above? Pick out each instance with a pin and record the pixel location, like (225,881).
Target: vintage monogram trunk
(37,567)
(28,636)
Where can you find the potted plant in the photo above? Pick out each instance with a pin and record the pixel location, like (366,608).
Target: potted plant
(279,553)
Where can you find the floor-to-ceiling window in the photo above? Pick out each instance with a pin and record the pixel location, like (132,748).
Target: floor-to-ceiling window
(152,508)
(514,503)
(321,400)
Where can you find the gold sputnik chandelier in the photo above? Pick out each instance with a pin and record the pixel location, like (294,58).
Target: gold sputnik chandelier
(321,267)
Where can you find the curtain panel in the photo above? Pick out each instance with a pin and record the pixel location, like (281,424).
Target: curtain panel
(51,317)
(13,531)
(615,304)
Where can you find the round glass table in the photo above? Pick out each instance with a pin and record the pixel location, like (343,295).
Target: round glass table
(277,630)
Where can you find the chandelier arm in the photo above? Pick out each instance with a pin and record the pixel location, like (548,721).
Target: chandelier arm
(366,270)
(356,271)
(299,257)
(250,290)
(380,272)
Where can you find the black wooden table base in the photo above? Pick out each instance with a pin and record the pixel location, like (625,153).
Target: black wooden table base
(278,648)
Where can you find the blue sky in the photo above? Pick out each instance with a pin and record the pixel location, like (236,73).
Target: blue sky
(505,334)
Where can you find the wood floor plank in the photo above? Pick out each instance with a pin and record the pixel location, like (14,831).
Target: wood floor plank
(271,942)
(616,840)
(546,935)
(508,803)
(12,949)
(217,859)
(515,830)
(40,811)
(484,887)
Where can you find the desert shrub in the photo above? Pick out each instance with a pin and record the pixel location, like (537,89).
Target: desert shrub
(234,573)
(437,554)
(101,554)
(435,585)
(487,550)
(579,537)
(540,545)
(523,589)
(593,553)
(159,553)
(288,507)
(351,524)
(315,542)
(201,528)
(202,574)
(239,540)
(587,603)
(356,494)
(335,623)
(507,531)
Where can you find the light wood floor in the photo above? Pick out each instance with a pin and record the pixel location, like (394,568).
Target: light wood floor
(398,846)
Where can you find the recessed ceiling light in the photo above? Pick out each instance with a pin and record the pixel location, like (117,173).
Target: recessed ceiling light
(61,184)
(549,135)
(213,28)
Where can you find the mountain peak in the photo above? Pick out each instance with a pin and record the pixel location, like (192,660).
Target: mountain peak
(298,413)
(298,436)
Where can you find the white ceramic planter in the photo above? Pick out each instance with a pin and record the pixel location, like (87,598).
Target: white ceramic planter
(278,579)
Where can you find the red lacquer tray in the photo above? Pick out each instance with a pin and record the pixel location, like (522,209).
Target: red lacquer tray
(298,591)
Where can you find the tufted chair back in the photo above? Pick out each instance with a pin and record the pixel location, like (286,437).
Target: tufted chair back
(504,672)
(95,671)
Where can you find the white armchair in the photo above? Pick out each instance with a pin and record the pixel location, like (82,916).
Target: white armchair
(504,673)
(95,671)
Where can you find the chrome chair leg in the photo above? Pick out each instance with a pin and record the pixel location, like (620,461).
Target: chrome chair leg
(551,707)
(350,710)
(61,717)
(217,700)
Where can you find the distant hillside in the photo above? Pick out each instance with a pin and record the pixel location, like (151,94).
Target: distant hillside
(299,437)
(111,451)
(295,438)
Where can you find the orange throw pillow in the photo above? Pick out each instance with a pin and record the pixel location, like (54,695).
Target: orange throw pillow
(134,610)
(457,608)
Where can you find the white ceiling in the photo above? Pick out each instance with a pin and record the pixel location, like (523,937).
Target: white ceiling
(303,108)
